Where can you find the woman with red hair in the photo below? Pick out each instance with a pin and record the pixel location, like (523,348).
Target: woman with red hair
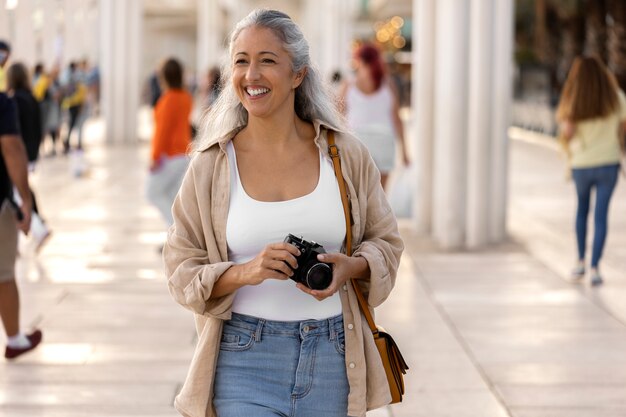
(370,103)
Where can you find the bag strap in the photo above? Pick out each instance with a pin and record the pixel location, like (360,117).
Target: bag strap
(333,150)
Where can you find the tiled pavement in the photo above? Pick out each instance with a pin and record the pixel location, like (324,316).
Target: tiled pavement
(495,332)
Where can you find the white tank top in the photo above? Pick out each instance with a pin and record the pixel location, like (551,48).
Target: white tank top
(253,224)
(370,110)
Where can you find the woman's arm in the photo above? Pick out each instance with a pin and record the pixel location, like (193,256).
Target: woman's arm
(276,261)
(568,129)
(397,123)
(190,269)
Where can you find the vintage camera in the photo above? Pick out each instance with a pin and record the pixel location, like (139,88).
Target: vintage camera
(310,272)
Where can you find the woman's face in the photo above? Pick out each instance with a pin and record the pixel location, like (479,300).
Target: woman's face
(262,75)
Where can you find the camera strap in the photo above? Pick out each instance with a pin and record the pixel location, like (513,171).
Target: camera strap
(333,150)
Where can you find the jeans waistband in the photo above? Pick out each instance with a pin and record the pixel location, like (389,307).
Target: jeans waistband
(329,326)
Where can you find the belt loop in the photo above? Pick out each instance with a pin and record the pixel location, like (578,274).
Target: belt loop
(331,329)
(259,330)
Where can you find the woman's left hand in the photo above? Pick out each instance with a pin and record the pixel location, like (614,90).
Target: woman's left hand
(344,268)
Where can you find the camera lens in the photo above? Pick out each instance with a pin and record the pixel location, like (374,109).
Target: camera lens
(319,276)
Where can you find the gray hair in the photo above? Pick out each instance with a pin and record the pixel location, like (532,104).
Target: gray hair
(313,98)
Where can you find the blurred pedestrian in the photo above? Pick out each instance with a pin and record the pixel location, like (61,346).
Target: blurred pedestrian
(29,113)
(82,74)
(13,217)
(74,94)
(41,82)
(171,139)
(371,105)
(213,87)
(262,171)
(592,117)
(29,118)
(153,88)
(52,124)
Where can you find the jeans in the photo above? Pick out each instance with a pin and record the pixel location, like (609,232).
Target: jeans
(281,368)
(603,178)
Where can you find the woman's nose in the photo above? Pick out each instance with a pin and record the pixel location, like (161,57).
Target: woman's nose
(253,72)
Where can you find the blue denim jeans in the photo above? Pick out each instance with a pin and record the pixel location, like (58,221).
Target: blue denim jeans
(603,179)
(274,368)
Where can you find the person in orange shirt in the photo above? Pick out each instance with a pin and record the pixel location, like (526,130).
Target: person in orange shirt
(172,137)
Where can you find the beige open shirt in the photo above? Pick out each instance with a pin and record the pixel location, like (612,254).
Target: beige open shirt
(196,256)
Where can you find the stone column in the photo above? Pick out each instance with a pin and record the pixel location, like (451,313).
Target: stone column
(334,26)
(423,87)
(502,84)
(5,24)
(450,130)
(462,91)
(345,36)
(479,126)
(209,42)
(120,33)
(50,34)
(24,44)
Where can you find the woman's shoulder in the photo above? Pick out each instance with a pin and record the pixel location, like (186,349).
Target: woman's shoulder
(350,146)
(24,98)
(205,157)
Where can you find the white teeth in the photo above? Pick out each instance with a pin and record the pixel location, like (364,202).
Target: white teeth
(256,91)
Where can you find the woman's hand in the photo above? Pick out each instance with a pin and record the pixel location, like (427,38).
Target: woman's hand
(276,261)
(344,268)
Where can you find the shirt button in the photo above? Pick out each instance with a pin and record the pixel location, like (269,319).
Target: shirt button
(345,288)
(352,365)
(350,326)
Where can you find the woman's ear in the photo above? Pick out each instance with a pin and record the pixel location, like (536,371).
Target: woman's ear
(297,80)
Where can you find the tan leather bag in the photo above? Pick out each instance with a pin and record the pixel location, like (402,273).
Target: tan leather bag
(395,366)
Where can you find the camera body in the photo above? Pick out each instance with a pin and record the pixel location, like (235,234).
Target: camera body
(314,274)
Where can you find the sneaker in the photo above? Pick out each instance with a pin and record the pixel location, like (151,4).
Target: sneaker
(596,279)
(578,272)
(34,338)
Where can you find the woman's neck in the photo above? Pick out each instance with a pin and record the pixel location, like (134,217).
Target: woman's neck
(366,85)
(276,133)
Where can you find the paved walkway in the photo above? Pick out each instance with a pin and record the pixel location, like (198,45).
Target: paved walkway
(496,332)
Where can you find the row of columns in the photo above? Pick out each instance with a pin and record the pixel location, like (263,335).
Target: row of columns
(462,69)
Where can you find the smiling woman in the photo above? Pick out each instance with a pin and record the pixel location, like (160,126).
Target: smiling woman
(268,344)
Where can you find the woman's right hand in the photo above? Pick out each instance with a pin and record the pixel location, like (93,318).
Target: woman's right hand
(276,261)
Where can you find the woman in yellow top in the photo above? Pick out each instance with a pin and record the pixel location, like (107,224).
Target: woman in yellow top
(592,116)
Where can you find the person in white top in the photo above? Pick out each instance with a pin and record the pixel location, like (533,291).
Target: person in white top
(282,344)
(370,103)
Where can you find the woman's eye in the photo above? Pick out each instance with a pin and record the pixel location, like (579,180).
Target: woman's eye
(240,61)
(268,61)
